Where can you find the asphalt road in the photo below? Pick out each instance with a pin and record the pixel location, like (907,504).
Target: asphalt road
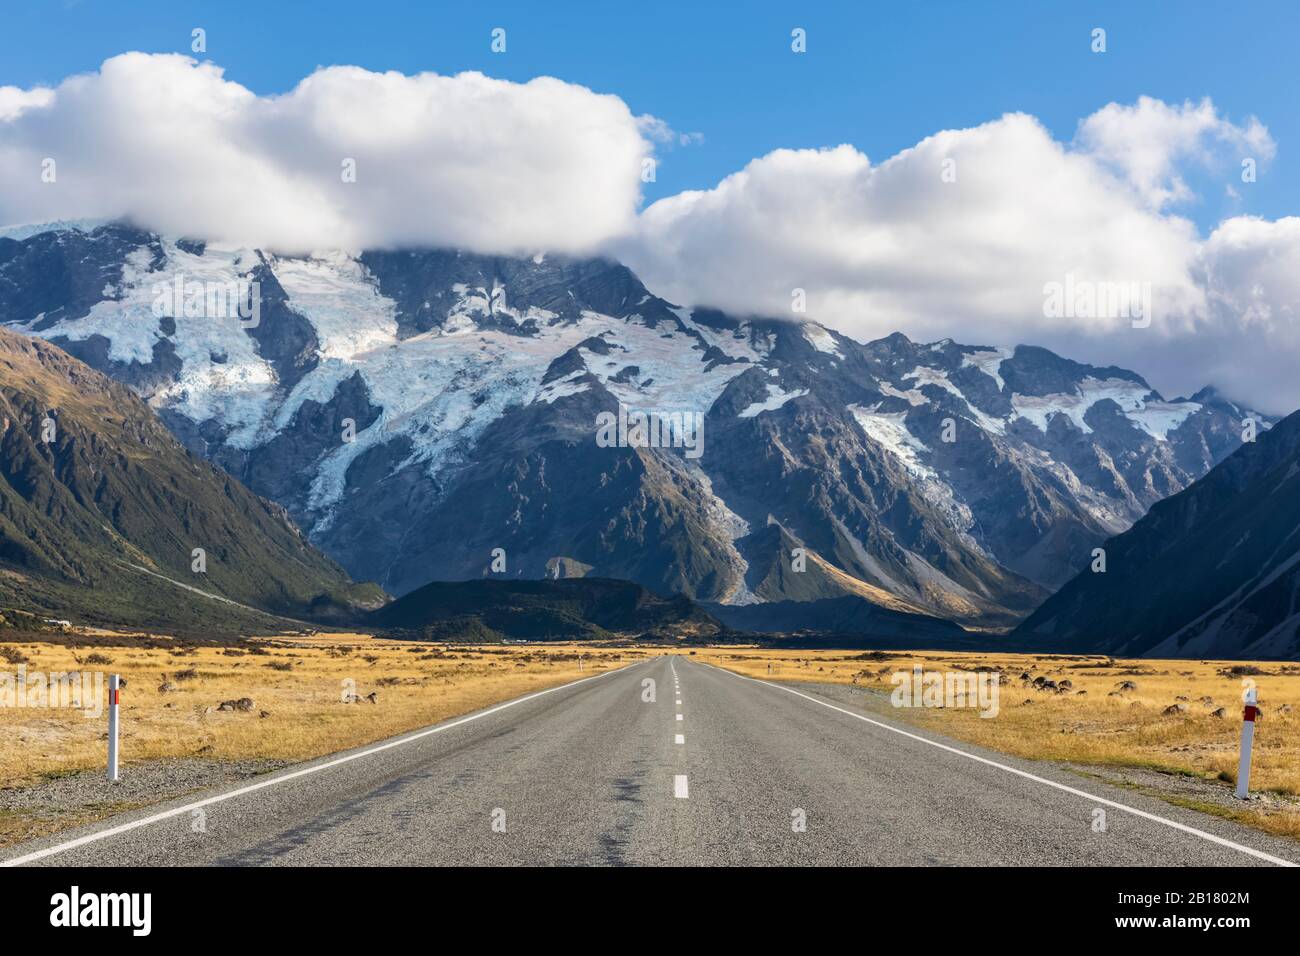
(593,774)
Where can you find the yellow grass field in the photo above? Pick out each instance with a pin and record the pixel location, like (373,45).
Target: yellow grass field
(1096,723)
(169,706)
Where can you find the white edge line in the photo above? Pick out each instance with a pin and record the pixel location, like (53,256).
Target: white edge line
(306,771)
(1221,841)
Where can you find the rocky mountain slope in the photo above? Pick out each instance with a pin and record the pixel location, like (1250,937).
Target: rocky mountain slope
(101,510)
(1211,572)
(416,410)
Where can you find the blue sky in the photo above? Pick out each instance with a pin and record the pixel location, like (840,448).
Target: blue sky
(880,76)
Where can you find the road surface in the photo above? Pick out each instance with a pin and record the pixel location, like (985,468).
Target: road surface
(717,769)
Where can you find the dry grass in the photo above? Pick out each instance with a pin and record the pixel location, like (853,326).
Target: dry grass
(1095,722)
(298,683)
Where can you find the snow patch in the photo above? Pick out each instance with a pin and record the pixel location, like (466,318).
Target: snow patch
(26,230)
(989,362)
(236,389)
(913,396)
(889,430)
(737,344)
(1155,417)
(821,340)
(336,294)
(925,375)
(776,397)
(671,373)
(1158,419)
(732,527)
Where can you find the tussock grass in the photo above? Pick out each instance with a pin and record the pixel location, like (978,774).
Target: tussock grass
(173,689)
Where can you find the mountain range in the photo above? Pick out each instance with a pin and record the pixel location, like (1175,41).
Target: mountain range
(430,415)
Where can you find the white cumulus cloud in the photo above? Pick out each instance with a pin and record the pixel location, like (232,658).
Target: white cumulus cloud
(1247,341)
(1149,140)
(463,160)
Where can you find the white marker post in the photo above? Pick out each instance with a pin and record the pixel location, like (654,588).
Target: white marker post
(1248,719)
(114,693)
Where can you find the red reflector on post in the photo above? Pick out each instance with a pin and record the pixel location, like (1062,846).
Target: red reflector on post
(1251,713)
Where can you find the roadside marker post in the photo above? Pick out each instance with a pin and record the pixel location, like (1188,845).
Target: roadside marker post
(1248,718)
(114,696)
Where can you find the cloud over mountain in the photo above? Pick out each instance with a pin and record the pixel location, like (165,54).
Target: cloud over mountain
(463,160)
(957,236)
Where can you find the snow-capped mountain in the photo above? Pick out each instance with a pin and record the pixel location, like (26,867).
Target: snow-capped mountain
(415,410)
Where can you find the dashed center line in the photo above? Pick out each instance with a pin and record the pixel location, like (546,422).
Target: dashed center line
(681,790)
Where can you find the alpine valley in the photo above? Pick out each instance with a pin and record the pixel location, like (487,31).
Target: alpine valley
(414,411)
(106,519)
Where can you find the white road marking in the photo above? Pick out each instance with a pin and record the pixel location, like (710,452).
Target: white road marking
(680,790)
(679,716)
(679,702)
(293,775)
(681,738)
(1221,841)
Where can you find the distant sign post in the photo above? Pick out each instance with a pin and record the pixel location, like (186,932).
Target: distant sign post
(114,694)
(1248,719)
